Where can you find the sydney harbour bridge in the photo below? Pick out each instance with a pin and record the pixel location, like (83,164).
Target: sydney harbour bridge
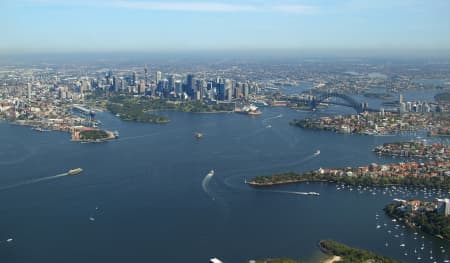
(336,99)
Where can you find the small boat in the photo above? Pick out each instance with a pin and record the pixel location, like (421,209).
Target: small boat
(269,126)
(211,173)
(402,245)
(9,240)
(317,152)
(91,219)
(198,135)
(75,171)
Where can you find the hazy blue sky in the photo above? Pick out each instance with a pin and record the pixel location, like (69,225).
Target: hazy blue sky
(146,25)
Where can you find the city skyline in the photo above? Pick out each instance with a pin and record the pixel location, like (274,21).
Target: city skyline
(34,26)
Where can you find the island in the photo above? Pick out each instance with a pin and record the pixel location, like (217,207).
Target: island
(436,151)
(430,174)
(85,134)
(338,252)
(429,217)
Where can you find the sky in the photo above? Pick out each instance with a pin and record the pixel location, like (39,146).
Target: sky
(177,25)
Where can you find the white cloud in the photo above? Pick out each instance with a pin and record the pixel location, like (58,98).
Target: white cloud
(179,6)
(296,9)
(186,6)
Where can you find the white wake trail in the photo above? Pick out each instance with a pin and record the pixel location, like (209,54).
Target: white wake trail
(33,181)
(206,181)
(137,137)
(271,118)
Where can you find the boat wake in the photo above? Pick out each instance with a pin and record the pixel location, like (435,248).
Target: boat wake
(137,137)
(206,181)
(291,192)
(298,162)
(271,118)
(33,181)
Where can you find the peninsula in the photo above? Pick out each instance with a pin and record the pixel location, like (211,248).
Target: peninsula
(430,174)
(429,217)
(338,252)
(379,124)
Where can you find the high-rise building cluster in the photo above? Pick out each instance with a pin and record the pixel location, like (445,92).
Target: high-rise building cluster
(175,86)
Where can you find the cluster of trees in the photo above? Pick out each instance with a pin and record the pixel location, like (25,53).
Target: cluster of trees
(176,105)
(311,124)
(352,255)
(131,111)
(93,135)
(430,222)
(355,180)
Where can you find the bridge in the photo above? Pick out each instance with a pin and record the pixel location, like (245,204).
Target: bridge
(342,100)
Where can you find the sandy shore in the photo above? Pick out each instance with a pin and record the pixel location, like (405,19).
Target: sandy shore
(333,259)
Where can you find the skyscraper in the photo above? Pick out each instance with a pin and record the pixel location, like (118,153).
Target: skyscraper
(190,85)
(29,91)
(133,79)
(146,75)
(228,89)
(158,77)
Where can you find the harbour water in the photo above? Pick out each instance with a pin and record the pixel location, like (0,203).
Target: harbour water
(141,197)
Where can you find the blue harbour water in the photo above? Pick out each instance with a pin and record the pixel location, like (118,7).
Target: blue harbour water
(141,198)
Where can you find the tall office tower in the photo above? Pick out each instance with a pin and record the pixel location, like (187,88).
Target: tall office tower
(178,88)
(158,77)
(116,84)
(400,99)
(29,91)
(146,75)
(142,88)
(190,85)
(220,91)
(171,83)
(133,81)
(246,90)
(228,89)
(123,86)
(84,86)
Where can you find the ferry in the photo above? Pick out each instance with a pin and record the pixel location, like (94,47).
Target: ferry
(211,173)
(312,193)
(39,129)
(75,171)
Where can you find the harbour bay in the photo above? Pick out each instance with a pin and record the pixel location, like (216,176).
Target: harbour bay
(145,192)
